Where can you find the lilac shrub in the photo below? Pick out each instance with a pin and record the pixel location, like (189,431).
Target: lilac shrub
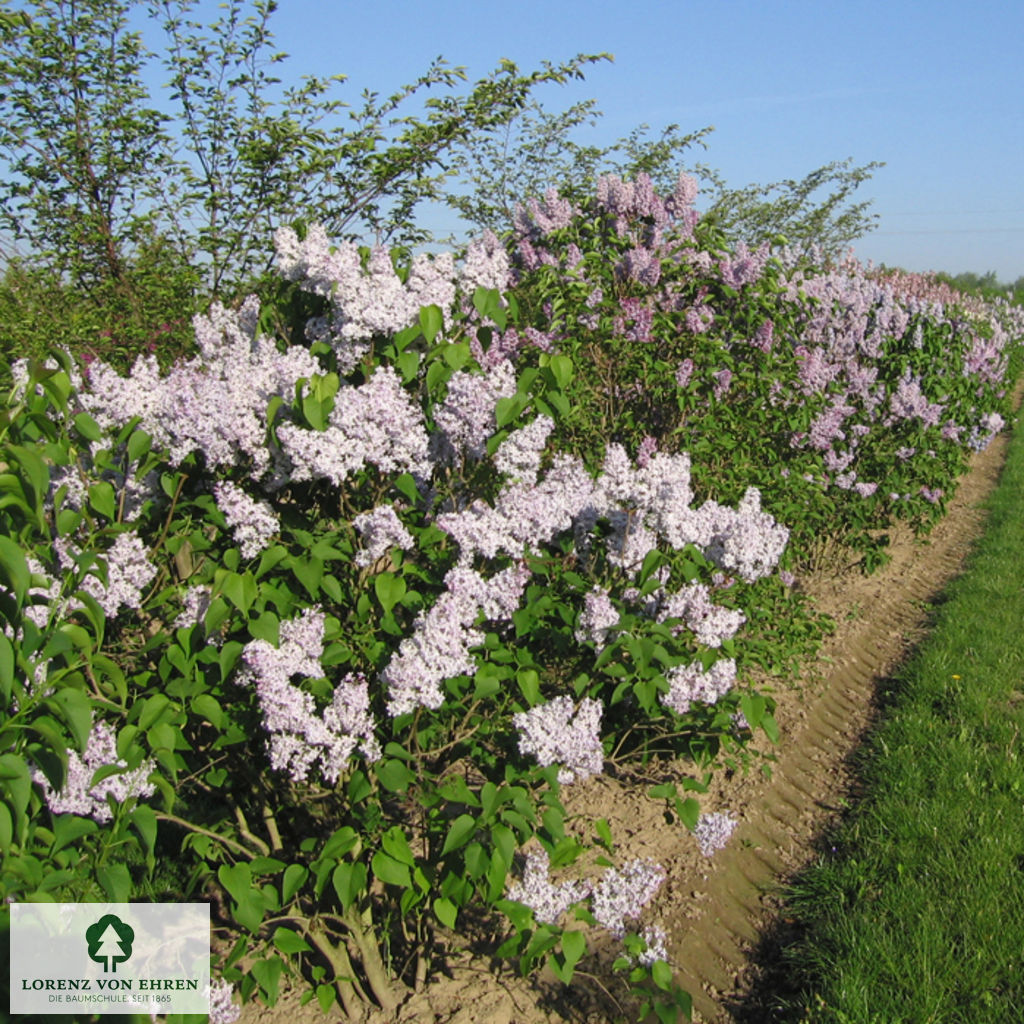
(338,611)
(780,373)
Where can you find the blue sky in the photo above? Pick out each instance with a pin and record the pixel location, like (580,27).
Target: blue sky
(935,89)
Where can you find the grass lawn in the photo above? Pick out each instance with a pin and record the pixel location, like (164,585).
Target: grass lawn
(916,913)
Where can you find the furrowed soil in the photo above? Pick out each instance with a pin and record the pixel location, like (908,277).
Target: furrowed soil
(722,915)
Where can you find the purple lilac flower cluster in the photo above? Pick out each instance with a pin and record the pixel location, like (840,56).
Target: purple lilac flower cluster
(485,266)
(540,217)
(376,423)
(381,530)
(215,403)
(560,733)
(689,684)
(300,735)
(711,624)
(519,455)
(443,635)
(713,831)
(656,950)
(465,420)
(129,572)
(598,618)
(524,514)
(222,1009)
(636,200)
(252,522)
(194,607)
(366,301)
(744,266)
(620,895)
(79,795)
(548,900)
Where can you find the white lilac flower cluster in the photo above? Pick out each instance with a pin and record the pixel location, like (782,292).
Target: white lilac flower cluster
(465,419)
(129,572)
(214,403)
(713,831)
(300,734)
(222,1009)
(548,900)
(79,795)
(560,733)
(597,619)
(690,684)
(376,423)
(443,635)
(381,530)
(620,895)
(252,522)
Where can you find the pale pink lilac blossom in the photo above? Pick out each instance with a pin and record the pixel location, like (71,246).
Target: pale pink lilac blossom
(367,301)
(712,832)
(548,900)
(560,733)
(79,795)
(253,523)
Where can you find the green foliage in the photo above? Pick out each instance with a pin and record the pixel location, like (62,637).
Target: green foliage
(101,200)
(85,155)
(800,211)
(535,151)
(986,285)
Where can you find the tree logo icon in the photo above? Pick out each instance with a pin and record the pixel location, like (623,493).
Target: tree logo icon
(110,942)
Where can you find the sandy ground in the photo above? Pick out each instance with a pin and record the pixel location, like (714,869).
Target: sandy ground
(721,914)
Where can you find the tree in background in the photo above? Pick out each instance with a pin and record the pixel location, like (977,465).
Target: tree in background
(537,151)
(83,149)
(140,216)
(816,212)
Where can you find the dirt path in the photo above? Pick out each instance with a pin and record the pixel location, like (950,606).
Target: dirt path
(720,914)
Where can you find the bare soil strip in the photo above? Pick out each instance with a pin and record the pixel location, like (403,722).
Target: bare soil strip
(722,915)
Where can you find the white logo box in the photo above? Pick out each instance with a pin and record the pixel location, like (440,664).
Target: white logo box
(110,958)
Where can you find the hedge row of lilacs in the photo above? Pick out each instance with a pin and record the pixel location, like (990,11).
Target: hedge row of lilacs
(852,400)
(440,557)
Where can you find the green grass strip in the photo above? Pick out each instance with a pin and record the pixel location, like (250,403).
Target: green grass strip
(915,912)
